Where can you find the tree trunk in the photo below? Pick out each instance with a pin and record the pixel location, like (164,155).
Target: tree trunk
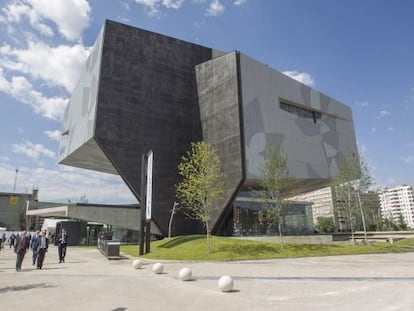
(208,238)
(280,229)
(363,218)
(350,216)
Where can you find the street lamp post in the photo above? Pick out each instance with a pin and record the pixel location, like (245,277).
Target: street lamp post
(171,219)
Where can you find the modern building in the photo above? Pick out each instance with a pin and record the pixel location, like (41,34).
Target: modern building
(92,219)
(329,202)
(13,208)
(250,218)
(23,211)
(398,202)
(322,202)
(142,91)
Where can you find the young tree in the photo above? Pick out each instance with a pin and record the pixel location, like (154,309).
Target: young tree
(83,199)
(402,224)
(354,177)
(326,224)
(274,185)
(202,184)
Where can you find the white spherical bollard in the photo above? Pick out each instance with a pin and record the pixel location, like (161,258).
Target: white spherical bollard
(225,283)
(137,264)
(158,268)
(185,274)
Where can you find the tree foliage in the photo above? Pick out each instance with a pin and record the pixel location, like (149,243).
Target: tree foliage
(325,224)
(390,225)
(83,199)
(402,224)
(274,185)
(354,177)
(202,183)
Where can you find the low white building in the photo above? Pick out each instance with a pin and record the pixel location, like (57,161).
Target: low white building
(397,202)
(322,202)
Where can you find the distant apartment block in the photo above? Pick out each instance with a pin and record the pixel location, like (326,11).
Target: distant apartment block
(327,202)
(322,202)
(397,202)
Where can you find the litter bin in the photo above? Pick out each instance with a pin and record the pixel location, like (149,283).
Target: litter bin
(112,249)
(102,238)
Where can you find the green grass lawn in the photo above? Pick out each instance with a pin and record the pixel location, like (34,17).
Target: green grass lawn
(195,248)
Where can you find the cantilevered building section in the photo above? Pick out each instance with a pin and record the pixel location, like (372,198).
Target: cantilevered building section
(141,90)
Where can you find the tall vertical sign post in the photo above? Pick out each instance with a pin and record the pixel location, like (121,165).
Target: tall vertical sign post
(146,202)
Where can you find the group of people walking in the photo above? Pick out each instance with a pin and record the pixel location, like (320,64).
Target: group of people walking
(39,243)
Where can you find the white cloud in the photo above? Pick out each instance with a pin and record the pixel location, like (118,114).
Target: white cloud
(70,16)
(63,183)
(363,149)
(383,113)
(408,159)
(53,135)
(4,159)
(21,89)
(18,9)
(199,24)
(361,104)
(390,129)
(239,2)
(14,11)
(302,77)
(373,129)
(391,182)
(63,67)
(215,8)
(410,97)
(151,6)
(173,4)
(126,5)
(33,151)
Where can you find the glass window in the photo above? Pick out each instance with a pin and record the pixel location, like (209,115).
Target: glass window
(300,111)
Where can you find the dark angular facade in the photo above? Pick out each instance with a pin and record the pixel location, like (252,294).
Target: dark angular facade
(146,98)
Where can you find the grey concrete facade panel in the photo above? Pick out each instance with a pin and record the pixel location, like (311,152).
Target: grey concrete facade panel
(90,156)
(79,119)
(218,96)
(312,147)
(128,218)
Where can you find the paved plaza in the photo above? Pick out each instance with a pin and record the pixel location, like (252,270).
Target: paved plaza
(89,281)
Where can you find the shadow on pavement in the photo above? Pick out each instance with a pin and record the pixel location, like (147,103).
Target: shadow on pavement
(24,287)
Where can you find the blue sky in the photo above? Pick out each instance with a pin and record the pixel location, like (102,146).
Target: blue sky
(358,52)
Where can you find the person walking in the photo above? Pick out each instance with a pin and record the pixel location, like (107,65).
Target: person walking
(20,248)
(28,238)
(62,244)
(42,247)
(12,238)
(34,243)
(3,240)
